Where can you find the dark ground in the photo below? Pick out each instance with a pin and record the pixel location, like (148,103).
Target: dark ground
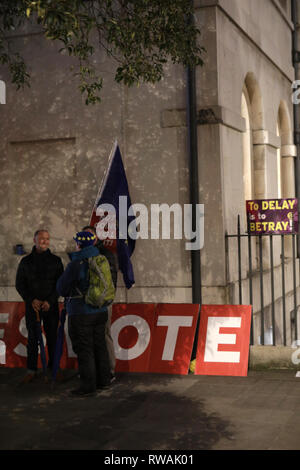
(153,412)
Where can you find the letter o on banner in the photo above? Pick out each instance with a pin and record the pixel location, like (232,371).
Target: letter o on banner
(142,343)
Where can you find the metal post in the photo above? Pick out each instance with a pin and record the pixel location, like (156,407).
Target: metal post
(295,286)
(239,260)
(262,316)
(194,183)
(250,285)
(283,290)
(272,288)
(296,63)
(194,186)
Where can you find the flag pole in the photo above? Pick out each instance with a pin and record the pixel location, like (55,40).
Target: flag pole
(105,176)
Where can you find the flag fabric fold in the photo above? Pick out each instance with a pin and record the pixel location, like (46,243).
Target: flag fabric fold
(59,344)
(114,187)
(41,345)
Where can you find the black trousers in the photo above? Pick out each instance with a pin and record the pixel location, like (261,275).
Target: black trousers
(50,322)
(87,333)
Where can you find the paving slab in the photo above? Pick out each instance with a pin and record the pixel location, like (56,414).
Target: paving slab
(153,412)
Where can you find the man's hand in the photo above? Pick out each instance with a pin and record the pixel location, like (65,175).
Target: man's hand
(45,306)
(36,305)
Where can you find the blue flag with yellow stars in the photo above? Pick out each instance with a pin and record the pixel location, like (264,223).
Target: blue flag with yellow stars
(115,192)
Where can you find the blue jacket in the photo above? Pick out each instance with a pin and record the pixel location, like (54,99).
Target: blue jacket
(74,276)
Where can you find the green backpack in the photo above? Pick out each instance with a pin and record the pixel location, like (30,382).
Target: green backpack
(101,290)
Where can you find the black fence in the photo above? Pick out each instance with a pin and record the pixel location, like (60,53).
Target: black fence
(259,270)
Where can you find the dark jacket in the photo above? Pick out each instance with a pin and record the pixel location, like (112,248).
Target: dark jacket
(111,258)
(76,275)
(36,277)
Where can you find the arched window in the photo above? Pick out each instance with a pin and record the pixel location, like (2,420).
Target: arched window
(279,169)
(285,154)
(254,154)
(247,147)
(253,147)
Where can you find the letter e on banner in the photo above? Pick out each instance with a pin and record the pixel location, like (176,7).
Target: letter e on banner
(223,340)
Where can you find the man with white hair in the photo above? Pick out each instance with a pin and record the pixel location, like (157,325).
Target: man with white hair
(36,279)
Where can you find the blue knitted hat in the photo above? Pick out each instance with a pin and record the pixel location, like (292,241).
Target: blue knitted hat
(85,239)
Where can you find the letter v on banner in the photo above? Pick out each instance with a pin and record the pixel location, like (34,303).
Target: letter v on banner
(113,190)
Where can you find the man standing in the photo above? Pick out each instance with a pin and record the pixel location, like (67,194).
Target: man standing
(36,279)
(111,258)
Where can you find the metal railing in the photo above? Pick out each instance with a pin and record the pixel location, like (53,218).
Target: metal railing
(261,252)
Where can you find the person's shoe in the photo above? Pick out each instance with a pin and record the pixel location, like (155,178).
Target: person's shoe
(101,387)
(112,377)
(105,387)
(78,392)
(29,377)
(59,376)
(45,379)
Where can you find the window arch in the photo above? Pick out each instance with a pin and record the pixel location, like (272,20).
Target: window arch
(279,168)
(247,147)
(285,160)
(253,158)
(253,147)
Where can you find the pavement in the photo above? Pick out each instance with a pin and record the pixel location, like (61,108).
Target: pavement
(152,412)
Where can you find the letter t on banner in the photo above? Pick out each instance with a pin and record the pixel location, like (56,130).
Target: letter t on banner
(223,342)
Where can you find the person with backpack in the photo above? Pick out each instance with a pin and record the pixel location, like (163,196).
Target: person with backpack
(88,289)
(112,259)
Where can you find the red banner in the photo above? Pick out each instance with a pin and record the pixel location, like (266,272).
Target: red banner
(13,338)
(154,337)
(13,334)
(151,338)
(223,342)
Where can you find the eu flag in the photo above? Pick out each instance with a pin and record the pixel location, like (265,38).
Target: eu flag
(114,190)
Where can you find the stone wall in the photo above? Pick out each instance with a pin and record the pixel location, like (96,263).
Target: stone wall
(54,149)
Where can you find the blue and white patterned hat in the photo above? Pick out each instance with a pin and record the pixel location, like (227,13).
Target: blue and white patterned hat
(85,239)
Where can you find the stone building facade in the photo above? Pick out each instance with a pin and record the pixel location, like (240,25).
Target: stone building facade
(54,149)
